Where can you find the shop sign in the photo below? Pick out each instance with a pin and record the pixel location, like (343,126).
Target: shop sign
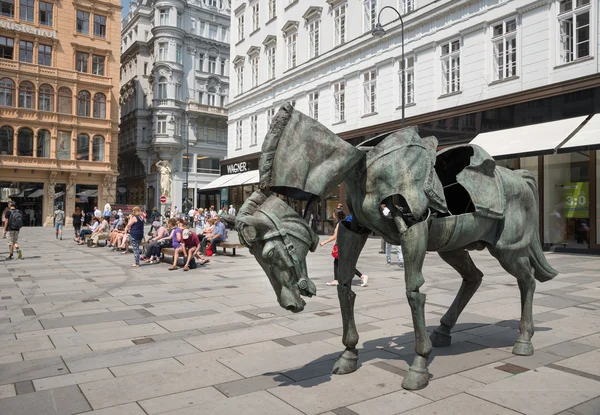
(239,167)
(23,28)
(576,197)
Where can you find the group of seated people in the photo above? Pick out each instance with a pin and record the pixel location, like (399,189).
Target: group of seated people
(98,228)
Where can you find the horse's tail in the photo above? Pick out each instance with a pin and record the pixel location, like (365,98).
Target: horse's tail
(543,271)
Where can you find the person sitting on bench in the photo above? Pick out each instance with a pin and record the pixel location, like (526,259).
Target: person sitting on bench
(192,243)
(178,245)
(218,235)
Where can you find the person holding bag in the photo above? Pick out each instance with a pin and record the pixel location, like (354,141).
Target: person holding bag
(340,215)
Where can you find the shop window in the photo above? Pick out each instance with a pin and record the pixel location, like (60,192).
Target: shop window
(26,95)
(7,92)
(98,148)
(83,104)
(7,135)
(7,47)
(65,101)
(83,147)
(46,13)
(26,51)
(7,8)
(43,144)
(26,10)
(99,105)
(25,142)
(46,98)
(63,145)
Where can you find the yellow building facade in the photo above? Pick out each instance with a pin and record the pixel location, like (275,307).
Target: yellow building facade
(59,114)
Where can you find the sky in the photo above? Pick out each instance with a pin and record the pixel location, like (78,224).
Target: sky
(125,4)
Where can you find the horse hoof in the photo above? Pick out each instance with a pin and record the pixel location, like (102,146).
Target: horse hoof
(416,379)
(346,363)
(440,340)
(522,348)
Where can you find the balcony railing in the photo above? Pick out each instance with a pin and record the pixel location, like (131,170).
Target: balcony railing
(23,67)
(193,106)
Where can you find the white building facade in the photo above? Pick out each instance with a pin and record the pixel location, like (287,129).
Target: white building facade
(174,89)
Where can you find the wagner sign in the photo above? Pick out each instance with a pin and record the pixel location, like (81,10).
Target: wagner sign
(19,27)
(239,167)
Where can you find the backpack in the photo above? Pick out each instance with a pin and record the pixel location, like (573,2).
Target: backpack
(15,221)
(192,264)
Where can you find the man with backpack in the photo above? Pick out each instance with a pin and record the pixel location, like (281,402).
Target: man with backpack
(12,226)
(59,221)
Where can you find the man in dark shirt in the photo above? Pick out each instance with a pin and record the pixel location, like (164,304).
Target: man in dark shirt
(192,244)
(12,235)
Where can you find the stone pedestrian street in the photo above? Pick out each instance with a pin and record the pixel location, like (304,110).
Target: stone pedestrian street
(83,332)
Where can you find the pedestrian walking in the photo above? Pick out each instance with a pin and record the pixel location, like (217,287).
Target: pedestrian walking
(388,247)
(13,222)
(59,221)
(135,228)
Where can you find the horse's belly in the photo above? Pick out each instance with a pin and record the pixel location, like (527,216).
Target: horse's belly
(458,231)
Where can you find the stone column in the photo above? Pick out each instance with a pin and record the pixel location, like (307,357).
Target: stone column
(70,199)
(49,205)
(109,190)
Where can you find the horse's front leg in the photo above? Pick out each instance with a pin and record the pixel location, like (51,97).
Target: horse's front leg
(414,249)
(350,245)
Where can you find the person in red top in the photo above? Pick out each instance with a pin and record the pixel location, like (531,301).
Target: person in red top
(192,243)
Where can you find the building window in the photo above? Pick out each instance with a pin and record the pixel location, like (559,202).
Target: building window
(161,125)
(223,67)
(163,17)
(339,19)
(271,62)
(99,26)
(255,17)
(313,38)
(238,135)
(25,51)
(179,20)
(82,62)
(504,40)
(369,15)
(178,92)
(212,64)
(254,65)
(98,65)
(46,13)
(574,22)
(7,136)
(212,32)
(46,98)
(161,92)
(313,105)
(98,148)
(177,126)
(83,104)
(212,99)
(163,51)
(26,10)
(7,47)
(45,55)
(253,130)
(370,91)
(25,142)
(451,67)
(83,23)
(63,145)
(7,8)
(26,95)
(240,27)
(272,9)
(408,67)
(270,116)
(83,147)
(407,6)
(65,101)
(291,50)
(179,54)
(99,105)
(339,98)
(240,79)
(7,92)
(43,144)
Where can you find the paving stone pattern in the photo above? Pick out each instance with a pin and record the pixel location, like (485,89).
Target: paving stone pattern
(84,333)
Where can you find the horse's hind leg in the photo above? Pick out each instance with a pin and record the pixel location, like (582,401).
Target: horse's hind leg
(461,261)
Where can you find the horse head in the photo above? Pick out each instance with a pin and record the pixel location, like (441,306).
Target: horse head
(279,240)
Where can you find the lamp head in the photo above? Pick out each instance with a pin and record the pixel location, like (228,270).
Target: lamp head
(378,31)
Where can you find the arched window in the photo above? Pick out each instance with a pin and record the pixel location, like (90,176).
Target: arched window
(83,104)
(7,92)
(46,98)
(43,143)
(26,95)
(161,92)
(65,101)
(7,135)
(25,142)
(83,147)
(99,105)
(98,148)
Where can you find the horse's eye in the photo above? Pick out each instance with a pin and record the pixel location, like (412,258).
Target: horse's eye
(271,253)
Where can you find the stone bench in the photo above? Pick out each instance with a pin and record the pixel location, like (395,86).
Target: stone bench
(87,239)
(231,245)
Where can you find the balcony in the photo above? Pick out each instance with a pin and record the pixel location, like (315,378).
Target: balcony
(42,163)
(48,71)
(206,109)
(167,103)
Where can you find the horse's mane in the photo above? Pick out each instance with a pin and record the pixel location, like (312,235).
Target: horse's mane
(290,220)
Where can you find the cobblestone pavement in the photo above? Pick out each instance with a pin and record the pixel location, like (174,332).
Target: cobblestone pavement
(83,332)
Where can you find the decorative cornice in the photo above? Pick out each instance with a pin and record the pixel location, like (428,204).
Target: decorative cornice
(240,9)
(312,12)
(423,48)
(253,51)
(238,60)
(290,26)
(475,28)
(532,6)
(270,39)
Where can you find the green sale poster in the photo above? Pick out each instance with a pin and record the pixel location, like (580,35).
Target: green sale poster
(576,196)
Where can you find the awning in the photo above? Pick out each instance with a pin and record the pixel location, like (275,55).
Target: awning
(248,177)
(587,138)
(536,139)
(220,182)
(37,193)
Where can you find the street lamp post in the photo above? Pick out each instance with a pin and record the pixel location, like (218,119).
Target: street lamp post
(379,32)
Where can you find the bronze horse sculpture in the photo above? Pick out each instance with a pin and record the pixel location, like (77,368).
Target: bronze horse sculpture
(450,202)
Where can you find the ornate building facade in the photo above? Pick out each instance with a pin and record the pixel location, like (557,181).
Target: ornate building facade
(174,89)
(59,68)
